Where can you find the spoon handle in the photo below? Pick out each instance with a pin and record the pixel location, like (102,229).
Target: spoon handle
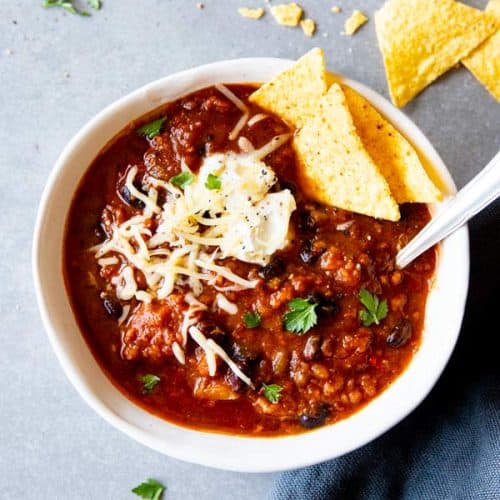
(471,199)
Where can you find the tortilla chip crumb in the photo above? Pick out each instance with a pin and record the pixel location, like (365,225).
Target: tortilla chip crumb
(336,9)
(355,22)
(251,13)
(287,14)
(308,27)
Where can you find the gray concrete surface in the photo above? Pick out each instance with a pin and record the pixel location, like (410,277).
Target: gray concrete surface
(56,72)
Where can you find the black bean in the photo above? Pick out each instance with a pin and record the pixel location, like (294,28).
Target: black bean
(273,269)
(233,380)
(310,421)
(400,334)
(306,221)
(112,307)
(307,254)
(127,197)
(327,306)
(312,347)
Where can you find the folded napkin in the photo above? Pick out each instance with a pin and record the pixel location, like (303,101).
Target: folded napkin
(449,447)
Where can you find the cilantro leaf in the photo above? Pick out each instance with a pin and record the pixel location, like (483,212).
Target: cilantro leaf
(213,182)
(151,129)
(183,179)
(301,317)
(95,4)
(149,382)
(252,319)
(149,490)
(375,311)
(272,392)
(67,5)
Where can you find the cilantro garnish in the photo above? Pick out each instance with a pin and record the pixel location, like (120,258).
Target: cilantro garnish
(95,4)
(151,129)
(301,317)
(183,179)
(67,5)
(149,490)
(272,392)
(252,319)
(213,182)
(149,382)
(375,310)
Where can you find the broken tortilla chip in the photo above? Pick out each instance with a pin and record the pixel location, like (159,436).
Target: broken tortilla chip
(484,62)
(287,14)
(308,27)
(251,13)
(294,94)
(334,165)
(392,153)
(355,22)
(422,39)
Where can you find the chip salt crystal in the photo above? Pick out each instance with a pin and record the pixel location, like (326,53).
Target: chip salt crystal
(484,62)
(294,94)
(308,27)
(422,39)
(354,22)
(335,167)
(287,14)
(250,13)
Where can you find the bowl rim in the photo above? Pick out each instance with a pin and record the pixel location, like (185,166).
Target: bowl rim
(250,458)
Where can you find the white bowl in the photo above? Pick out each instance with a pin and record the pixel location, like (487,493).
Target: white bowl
(442,323)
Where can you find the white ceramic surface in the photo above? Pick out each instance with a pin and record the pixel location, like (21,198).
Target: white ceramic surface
(443,317)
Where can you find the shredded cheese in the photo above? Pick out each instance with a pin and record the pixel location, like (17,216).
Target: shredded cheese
(241,219)
(240,105)
(226,305)
(212,349)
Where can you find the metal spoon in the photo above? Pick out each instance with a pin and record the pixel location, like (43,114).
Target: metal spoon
(471,199)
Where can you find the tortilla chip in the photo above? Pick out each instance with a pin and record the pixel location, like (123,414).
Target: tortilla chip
(355,22)
(335,167)
(484,62)
(251,13)
(308,27)
(287,14)
(391,152)
(294,94)
(421,39)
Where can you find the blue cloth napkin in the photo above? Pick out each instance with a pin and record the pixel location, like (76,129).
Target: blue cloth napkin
(449,447)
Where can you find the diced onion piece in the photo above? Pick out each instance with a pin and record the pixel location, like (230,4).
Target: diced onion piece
(344,225)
